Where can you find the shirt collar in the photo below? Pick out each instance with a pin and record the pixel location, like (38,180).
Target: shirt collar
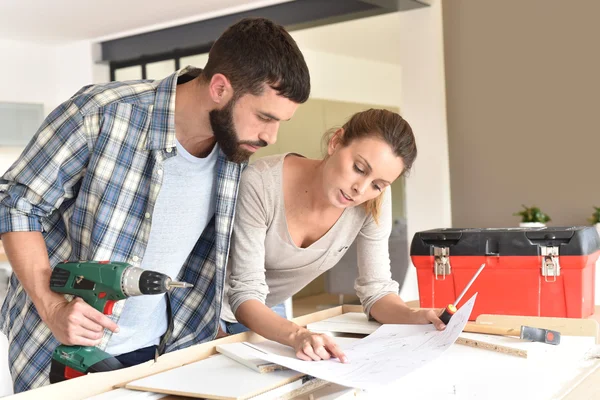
(161,134)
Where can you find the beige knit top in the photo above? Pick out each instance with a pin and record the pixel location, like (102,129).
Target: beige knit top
(266,265)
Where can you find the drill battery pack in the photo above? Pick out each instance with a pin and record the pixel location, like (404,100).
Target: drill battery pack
(547,272)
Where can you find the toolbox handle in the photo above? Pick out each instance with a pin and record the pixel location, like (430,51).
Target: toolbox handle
(550,237)
(492,247)
(444,239)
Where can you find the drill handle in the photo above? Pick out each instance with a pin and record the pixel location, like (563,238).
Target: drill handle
(97,295)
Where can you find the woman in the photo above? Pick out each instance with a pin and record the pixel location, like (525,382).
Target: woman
(295,219)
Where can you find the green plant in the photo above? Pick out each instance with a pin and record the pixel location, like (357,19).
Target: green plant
(595,216)
(532,214)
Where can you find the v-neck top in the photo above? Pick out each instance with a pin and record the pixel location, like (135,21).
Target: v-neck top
(266,265)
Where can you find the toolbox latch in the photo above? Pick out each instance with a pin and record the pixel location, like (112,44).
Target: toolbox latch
(550,264)
(441,266)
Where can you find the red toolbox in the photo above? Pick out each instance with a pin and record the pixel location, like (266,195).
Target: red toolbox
(548,272)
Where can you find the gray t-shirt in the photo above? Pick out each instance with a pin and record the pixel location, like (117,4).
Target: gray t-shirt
(183,208)
(266,265)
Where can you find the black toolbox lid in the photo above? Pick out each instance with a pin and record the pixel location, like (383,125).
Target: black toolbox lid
(573,240)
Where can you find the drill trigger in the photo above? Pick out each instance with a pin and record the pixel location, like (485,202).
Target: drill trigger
(108,307)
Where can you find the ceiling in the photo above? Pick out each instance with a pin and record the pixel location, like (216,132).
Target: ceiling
(50,21)
(70,20)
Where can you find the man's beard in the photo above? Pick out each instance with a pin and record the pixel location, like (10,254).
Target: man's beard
(221,122)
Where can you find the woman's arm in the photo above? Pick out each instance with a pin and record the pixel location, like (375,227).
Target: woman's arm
(375,288)
(308,345)
(248,288)
(390,309)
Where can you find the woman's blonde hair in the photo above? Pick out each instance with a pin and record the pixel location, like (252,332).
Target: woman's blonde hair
(387,126)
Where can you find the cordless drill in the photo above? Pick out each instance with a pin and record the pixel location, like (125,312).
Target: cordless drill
(100,284)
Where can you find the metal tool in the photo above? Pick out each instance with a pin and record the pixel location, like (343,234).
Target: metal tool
(540,335)
(100,284)
(524,332)
(451,308)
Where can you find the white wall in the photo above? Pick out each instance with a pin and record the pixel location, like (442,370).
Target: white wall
(344,78)
(27,73)
(417,87)
(45,74)
(76,67)
(423,104)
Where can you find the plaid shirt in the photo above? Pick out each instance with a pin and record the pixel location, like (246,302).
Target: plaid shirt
(86,181)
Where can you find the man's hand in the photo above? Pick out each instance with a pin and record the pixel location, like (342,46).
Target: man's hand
(76,322)
(311,346)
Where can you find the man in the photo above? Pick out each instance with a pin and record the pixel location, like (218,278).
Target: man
(146,173)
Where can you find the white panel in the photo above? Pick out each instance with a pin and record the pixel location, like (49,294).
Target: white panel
(160,69)
(128,73)
(19,122)
(198,60)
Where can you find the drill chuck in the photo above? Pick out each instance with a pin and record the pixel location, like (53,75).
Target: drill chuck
(152,282)
(137,281)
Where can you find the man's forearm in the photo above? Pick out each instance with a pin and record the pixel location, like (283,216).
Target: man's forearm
(28,257)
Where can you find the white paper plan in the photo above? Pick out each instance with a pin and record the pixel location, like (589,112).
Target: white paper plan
(379,359)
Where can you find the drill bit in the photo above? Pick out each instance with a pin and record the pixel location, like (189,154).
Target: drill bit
(176,284)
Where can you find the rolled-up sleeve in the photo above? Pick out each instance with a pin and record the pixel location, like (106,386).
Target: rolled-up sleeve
(45,173)
(374,274)
(247,262)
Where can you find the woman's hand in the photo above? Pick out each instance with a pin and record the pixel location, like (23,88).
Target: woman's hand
(430,316)
(311,346)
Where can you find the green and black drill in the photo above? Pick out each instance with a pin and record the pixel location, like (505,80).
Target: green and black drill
(100,284)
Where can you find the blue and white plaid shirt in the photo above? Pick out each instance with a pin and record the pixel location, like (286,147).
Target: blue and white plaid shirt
(86,181)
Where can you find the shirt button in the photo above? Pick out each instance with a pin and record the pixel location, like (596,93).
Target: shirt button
(159,172)
(135,258)
(169,149)
(147,215)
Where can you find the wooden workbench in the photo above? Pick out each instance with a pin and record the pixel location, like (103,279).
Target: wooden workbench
(460,373)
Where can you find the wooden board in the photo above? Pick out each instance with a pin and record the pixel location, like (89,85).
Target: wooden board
(566,326)
(246,355)
(213,378)
(458,373)
(575,347)
(127,394)
(483,342)
(293,390)
(352,322)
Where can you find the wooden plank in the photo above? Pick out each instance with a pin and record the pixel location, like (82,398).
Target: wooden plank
(97,383)
(493,329)
(566,326)
(213,378)
(351,322)
(346,308)
(293,390)
(246,355)
(481,343)
(570,347)
(127,394)
(318,316)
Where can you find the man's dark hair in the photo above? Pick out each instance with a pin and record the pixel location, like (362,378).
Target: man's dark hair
(255,51)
